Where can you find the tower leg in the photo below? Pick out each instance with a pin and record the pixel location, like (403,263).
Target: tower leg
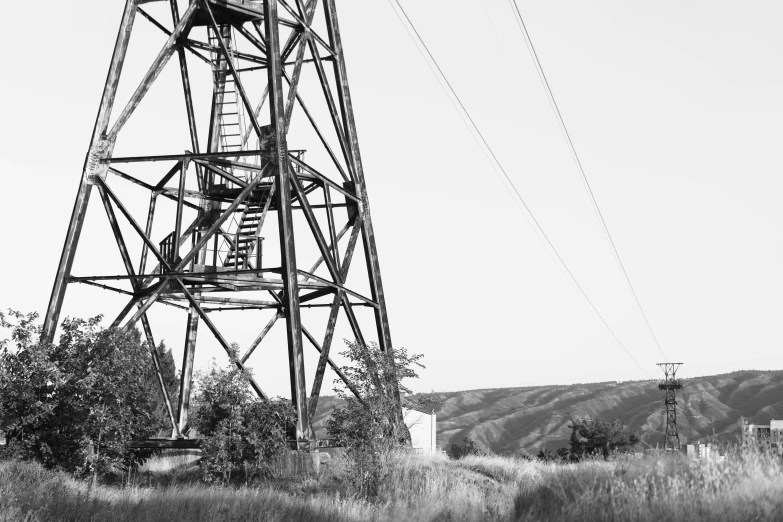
(186,377)
(83,196)
(66,261)
(304,430)
(368,234)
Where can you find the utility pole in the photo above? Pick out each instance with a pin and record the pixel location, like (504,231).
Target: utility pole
(670,385)
(249,72)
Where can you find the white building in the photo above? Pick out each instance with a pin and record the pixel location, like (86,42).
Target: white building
(422,428)
(699,451)
(765,437)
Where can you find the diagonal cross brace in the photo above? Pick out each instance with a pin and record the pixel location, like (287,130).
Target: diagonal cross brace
(135,284)
(184,289)
(182,28)
(278,297)
(203,241)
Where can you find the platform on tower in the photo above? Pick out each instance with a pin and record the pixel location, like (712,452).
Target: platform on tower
(227,11)
(235,12)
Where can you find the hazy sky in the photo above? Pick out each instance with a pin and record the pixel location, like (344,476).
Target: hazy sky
(673,107)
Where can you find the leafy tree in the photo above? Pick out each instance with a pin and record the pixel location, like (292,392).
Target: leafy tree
(599,437)
(467,448)
(78,403)
(371,425)
(240,432)
(592,437)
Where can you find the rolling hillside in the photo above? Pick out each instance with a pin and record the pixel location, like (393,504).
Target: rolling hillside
(518,420)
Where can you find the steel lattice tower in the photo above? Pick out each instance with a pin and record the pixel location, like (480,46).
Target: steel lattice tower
(669,386)
(223,193)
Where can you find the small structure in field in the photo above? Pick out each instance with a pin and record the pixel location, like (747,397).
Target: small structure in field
(763,437)
(422,427)
(703,451)
(699,451)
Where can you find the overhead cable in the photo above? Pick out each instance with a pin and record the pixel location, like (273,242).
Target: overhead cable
(498,167)
(580,169)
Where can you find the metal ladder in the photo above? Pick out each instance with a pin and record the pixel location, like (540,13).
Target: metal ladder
(229,107)
(243,242)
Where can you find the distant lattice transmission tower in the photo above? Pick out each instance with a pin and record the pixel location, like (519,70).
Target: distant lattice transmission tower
(255,83)
(670,385)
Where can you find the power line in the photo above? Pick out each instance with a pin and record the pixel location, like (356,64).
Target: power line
(578,162)
(497,166)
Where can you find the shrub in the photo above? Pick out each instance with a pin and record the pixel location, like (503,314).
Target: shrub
(592,438)
(241,434)
(371,425)
(78,403)
(468,447)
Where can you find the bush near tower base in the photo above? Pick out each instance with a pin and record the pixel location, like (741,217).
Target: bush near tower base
(372,428)
(242,436)
(77,403)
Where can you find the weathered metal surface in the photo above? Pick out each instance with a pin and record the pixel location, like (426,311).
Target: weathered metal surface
(309,12)
(188,155)
(368,233)
(83,195)
(331,323)
(186,373)
(318,132)
(261,336)
(335,368)
(226,346)
(325,180)
(239,183)
(168,33)
(293,319)
(126,259)
(187,258)
(182,28)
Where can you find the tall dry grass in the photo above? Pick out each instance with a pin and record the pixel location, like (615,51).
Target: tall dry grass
(422,488)
(661,488)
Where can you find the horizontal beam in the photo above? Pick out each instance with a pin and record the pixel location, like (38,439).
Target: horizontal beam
(214,278)
(338,287)
(107,287)
(240,308)
(176,275)
(168,195)
(168,33)
(189,156)
(323,178)
(131,179)
(242,56)
(222,173)
(231,300)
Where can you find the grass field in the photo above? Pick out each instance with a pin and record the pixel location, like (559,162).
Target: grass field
(420,488)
